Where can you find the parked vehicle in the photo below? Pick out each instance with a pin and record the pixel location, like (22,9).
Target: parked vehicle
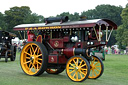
(63,44)
(7,50)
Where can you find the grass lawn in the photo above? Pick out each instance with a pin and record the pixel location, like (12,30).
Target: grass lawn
(115,73)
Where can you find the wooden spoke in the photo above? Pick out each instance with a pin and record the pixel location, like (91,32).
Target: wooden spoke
(74,74)
(81,63)
(27,53)
(84,69)
(83,73)
(77,62)
(97,63)
(72,65)
(35,50)
(27,57)
(30,68)
(71,68)
(39,59)
(71,71)
(39,55)
(27,62)
(30,64)
(97,69)
(30,51)
(74,62)
(32,48)
(98,66)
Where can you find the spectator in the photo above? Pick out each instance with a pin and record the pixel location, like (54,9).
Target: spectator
(31,36)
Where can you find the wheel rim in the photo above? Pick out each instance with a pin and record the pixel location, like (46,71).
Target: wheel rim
(76,69)
(31,59)
(95,68)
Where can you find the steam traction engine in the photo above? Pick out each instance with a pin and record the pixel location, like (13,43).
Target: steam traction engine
(63,44)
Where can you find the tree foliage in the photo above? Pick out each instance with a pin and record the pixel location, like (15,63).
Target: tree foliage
(21,15)
(122,32)
(2,22)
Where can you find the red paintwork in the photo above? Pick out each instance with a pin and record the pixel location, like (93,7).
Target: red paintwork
(68,52)
(62,59)
(39,38)
(56,43)
(52,58)
(66,39)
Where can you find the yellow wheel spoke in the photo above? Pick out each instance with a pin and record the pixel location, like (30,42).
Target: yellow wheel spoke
(83,73)
(30,68)
(95,72)
(74,75)
(30,51)
(27,57)
(34,67)
(93,61)
(30,64)
(35,50)
(83,69)
(72,65)
(71,72)
(97,69)
(74,62)
(39,55)
(77,62)
(92,73)
(32,48)
(83,65)
(27,62)
(98,66)
(97,63)
(39,59)
(38,51)
(27,53)
(39,62)
(71,68)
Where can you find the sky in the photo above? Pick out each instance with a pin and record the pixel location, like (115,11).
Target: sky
(53,7)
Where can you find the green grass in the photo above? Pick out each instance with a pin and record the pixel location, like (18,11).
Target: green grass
(115,73)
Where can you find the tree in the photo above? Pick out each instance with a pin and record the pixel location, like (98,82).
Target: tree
(122,32)
(33,18)
(2,22)
(16,15)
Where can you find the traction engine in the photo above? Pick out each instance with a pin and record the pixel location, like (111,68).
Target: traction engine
(63,44)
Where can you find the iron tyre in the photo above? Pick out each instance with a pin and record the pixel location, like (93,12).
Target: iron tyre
(13,53)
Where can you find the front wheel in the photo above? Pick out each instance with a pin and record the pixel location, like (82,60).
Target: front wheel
(77,68)
(96,68)
(33,58)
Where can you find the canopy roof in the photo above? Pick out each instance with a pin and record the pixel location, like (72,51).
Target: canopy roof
(68,25)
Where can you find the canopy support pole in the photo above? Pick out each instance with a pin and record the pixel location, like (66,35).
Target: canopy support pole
(110,34)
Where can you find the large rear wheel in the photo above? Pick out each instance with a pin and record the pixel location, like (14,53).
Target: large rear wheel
(96,68)
(77,68)
(34,58)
